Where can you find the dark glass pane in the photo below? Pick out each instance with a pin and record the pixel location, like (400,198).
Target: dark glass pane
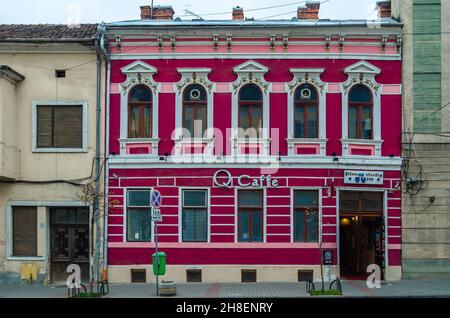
(352,122)
(366,122)
(360,93)
(194,225)
(147,124)
(312,122)
(194,198)
(371,201)
(305,198)
(244,228)
(256,118)
(299,122)
(349,201)
(250,198)
(257,235)
(299,224)
(139,225)
(306,92)
(244,117)
(134,122)
(65,215)
(140,93)
(200,121)
(195,93)
(312,234)
(188,119)
(138,198)
(250,93)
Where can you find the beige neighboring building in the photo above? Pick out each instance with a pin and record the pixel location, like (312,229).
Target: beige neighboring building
(426,139)
(48,138)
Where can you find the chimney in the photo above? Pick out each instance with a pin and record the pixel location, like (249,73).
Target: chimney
(384,9)
(159,13)
(238,13)
(309,12)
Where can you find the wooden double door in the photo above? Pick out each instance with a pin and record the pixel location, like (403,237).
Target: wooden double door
(69,242)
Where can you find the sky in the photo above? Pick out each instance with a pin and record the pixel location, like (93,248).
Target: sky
(90,11)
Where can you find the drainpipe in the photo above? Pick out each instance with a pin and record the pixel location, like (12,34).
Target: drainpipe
(102,30)
(97,160)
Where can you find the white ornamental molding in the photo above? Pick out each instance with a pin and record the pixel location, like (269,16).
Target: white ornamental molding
(137,73)
(194,76)
(250,72)
(362,73)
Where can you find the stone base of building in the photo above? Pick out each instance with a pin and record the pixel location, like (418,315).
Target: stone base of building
(225,273)
(393,273)
(431,269)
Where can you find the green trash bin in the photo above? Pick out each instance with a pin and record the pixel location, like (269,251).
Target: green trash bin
(162,263)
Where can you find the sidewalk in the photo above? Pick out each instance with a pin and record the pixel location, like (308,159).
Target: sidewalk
(256,290)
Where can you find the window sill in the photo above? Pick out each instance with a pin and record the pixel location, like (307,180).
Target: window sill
(25,258)
(59,150)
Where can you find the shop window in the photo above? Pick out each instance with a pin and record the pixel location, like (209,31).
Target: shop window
(194,275)
(59,126)
(360,113)
(306,106)
(250,111)
(195,110)
(195,223)
(140,112)
(248,275)
(139,222)
(250,213)
(138,276)
(306,216)
(24,221)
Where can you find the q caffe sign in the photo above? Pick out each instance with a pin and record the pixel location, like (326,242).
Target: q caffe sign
(224,179)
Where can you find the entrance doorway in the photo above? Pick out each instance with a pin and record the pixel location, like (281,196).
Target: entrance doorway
(361,233)
(69,231)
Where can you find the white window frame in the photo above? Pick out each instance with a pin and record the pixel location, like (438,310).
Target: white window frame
(125,214)
(362,73)
(59,103)
(319,207)
(180,212)
(138,73)
(191,76)
(307,76)
(250,72)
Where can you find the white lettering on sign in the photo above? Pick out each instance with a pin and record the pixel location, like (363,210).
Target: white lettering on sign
(363,177)
(224,179)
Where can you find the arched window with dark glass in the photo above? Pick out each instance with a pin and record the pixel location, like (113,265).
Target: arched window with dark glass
(306,109)
(360,113)
(195,110)
(250,109)
(140,112)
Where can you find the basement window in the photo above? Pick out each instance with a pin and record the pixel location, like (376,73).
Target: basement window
(304,275)
(60,73)
(194,275)
(248,275)
(138,276)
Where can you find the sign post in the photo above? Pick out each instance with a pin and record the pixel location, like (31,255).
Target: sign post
(156,201)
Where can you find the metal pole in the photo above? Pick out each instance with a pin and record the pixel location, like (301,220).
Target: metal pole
(157,259)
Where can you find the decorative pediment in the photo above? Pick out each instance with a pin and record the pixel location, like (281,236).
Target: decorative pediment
(194,76)
(362,73)
(306,75)
(139,72)
(251,67)
(250,72)
(362,67)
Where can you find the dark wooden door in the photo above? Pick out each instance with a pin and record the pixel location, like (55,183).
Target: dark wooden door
(69,245)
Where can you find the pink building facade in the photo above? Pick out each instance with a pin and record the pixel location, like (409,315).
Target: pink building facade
(314,171)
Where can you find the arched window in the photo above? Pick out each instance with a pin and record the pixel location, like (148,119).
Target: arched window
(195,110)
(306,108)
(140,112)
(360,113)
(250,110)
